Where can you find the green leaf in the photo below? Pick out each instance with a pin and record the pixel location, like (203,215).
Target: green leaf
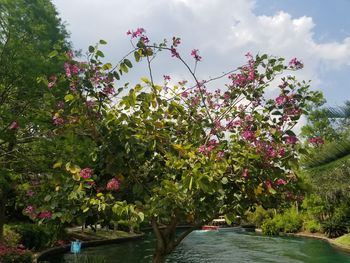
(103,42)
(99,53)
(91,49)
(47,198)
(128,63)
(123,68)
(68,97)
(86,209)
(107,66)
(137,56)
(224,180)
(57,165)
(53,54)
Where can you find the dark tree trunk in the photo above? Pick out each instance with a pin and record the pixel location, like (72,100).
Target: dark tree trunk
(166,239)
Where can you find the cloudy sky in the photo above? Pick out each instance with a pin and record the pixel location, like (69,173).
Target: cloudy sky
(315,31)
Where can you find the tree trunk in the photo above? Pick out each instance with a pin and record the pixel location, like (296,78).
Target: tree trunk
(159,256)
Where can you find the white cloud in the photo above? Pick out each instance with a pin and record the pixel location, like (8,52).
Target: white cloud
(223,30)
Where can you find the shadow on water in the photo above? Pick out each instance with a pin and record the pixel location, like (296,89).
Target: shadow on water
(232,246)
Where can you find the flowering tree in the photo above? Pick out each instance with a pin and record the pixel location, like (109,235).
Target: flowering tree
(178,153)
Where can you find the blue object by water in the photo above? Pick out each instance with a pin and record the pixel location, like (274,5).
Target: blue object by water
(75,247)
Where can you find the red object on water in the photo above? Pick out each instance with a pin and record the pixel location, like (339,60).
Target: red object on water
(207,227)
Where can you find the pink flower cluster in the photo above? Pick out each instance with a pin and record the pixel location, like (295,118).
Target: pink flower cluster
(30,211)
(138,32)
(296,64)
(316,140)
(86,173)
(71,69)
(44,215)
(113,185)
(291,140)
(57,121)
(246,75)
(195,55)
(206,149)
(14,125)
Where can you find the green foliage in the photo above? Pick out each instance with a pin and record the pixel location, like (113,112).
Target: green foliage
(334,228)
(37,237)
(343,240)
(312,226)
(270,227)
(89,259)
(289,222)
(11,238)
(258,216)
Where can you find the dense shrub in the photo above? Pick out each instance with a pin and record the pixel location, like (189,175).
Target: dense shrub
(334,228)
(289,222)
(15,255)
(270,227)
(258,216)
(312,226)
(38,236)
(11,238)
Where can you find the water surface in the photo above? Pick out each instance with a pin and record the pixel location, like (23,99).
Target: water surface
(230,246)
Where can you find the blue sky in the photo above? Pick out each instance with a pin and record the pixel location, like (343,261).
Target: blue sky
(315,31)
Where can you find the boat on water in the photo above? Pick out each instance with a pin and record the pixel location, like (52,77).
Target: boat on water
(215,224)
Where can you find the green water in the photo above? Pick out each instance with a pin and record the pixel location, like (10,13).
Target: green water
(235,246)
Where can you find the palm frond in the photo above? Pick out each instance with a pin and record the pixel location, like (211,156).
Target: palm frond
(341,112)
(330,153)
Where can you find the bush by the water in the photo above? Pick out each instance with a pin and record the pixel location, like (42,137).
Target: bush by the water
(312,226)
(334,228)
(258,216)
(37,237)
(290,222)
(15,255)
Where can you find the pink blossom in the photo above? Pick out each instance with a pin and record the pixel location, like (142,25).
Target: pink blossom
(109,90)
(60,242)
(29,193)
(281,182)
(67,70)
(14,125)
(316,140)
(45,215)
(112,185)
(166,77)
(195,54)
(56,120)
(29,209)
(296,64)
(220,155)
(282,152)
(60,104)
(280,100)
(268,184)
(74,69)
(245,173)
(202,149)
(184,94)
(291,140)
(195,101)
(174,52)
(86,173)
(248,135)
(139,31)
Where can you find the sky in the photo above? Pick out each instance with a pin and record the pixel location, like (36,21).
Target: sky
(315,31)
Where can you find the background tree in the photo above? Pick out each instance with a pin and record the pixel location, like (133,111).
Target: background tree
(29,32)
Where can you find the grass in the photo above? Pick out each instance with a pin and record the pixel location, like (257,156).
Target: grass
(343,240)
